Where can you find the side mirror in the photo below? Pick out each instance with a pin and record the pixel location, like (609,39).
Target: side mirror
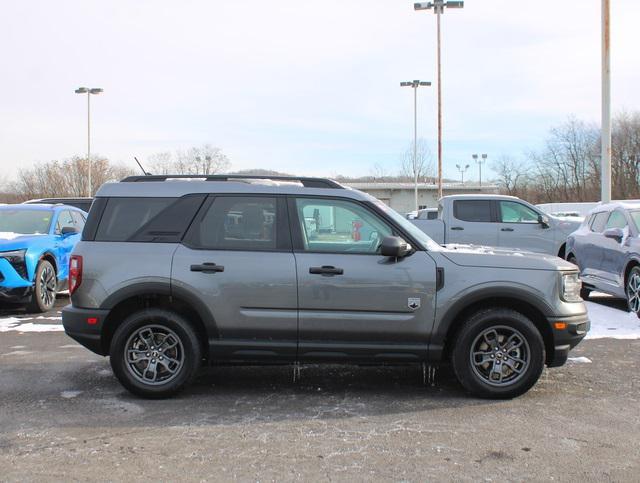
(543,220)
(615,234)
(69,230)
(394,246)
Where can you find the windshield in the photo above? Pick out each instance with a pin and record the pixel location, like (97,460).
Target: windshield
(409,227)
(27,222)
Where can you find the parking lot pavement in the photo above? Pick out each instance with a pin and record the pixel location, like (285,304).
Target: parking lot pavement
(63,416)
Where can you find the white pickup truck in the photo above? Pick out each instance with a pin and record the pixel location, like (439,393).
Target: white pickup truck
(499,221)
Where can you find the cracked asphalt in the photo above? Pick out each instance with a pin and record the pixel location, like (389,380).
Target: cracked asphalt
(64,417)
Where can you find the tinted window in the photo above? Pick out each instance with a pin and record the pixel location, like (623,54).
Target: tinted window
(616,220)
(237,223)
(472,210)
(339,226)
(599,219)
(512,212)
(122,217)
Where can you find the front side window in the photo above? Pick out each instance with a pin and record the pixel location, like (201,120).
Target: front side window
(26,222)
(512,212)
(338,226)
(237,223)
(472,210)
(65,220)
(598,222)
(635,216)
(616,220)
(78,219)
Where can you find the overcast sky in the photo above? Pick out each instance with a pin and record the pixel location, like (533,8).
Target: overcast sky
(300,86)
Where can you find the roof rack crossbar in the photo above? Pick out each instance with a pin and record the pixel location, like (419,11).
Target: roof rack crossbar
(305,181)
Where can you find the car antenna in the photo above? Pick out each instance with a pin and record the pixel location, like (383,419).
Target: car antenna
(146,173)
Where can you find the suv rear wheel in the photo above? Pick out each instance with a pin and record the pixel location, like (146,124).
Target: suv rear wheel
(155,353)
(45,288)
(499,353)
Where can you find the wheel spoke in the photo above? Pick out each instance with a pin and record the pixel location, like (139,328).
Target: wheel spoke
(168,343)
(511,364)
(496,372)
(492,342)
(152,368)
(139,356)
(154,354)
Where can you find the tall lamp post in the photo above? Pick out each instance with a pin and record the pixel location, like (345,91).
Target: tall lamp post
(415,84)
(89,91)
(605,169)
(438,8)
(480,161)
(462,170)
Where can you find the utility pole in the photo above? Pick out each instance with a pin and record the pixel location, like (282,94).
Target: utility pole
(480,162)
(438,8)
(605,170)
(415,84)
(89,91)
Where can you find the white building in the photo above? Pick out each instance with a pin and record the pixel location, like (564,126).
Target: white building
(400,196)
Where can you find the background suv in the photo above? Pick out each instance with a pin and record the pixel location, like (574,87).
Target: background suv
(606,247)
(302,270)
(35,244)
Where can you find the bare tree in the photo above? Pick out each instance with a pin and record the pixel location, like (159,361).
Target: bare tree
(511,175)
(423,164)
(206,159)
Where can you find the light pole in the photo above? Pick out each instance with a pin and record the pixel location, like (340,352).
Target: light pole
(605,169)
(462,170)
(438,8)
(415,84)
(480,162)
(88,91)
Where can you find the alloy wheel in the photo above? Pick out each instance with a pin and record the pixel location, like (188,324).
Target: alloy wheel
(154,354)
(633,292)
(500,355)
(47,284)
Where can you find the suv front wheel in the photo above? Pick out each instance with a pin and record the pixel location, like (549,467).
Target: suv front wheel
(155,353)
(499,353)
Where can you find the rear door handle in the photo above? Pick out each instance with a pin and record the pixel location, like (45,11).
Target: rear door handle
(326,270)
(207,267)
(457,228)
(506,229)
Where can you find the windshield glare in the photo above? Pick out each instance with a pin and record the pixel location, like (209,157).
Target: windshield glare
(426,242)
(26,222)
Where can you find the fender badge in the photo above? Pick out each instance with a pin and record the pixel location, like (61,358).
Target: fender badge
(413,303)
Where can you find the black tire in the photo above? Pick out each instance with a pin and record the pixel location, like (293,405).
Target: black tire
(632,289)
(45,288)
(149,326)
(471,373)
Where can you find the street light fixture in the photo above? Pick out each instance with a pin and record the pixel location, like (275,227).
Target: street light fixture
(89,91)
(480,160)
(462,170)
(438,7)
(415,84)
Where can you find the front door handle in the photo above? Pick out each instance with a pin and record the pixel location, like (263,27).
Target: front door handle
(457,228)
(207,267)
(326,270)
(506,229)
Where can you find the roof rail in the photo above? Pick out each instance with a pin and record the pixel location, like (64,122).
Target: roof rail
(306,182)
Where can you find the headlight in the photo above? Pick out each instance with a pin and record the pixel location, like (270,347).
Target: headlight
(16,259)
(571,286)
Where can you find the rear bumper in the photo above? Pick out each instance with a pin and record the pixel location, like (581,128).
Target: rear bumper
(566,339)
(79,327)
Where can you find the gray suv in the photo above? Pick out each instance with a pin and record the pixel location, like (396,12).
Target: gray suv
(172,273)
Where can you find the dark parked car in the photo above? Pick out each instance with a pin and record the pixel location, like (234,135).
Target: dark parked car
(606,248)
(83,203)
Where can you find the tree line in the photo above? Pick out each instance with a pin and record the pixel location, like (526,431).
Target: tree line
(567,168)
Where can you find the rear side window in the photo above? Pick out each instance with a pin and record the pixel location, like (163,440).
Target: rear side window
(239,223)
(472,210)
(598,221)
(147,219)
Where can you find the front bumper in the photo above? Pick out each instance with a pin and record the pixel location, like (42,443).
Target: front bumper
(85,326)
(16,295)
(566,339)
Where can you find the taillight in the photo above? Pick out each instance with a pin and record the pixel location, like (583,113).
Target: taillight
(75,273)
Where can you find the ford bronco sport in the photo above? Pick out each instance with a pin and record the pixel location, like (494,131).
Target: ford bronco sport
(171,273)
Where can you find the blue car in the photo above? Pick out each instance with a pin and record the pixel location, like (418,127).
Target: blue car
(35,244)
